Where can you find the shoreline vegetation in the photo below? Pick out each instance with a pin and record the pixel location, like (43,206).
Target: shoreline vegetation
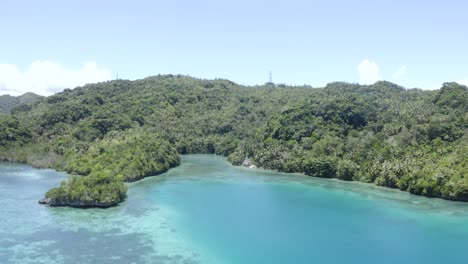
(109,133)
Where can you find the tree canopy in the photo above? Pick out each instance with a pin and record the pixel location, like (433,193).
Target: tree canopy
(414,140)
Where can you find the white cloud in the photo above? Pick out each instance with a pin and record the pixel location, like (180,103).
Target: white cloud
(399,73)
(48,77)
(369,72)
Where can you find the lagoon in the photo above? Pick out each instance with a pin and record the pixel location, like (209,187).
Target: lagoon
(207,211)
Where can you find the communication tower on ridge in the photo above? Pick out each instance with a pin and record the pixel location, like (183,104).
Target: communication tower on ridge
(270,82)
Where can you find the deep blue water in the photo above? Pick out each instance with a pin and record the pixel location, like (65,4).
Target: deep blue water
(206,211)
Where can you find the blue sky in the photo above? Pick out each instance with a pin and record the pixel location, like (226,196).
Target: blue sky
(50,45)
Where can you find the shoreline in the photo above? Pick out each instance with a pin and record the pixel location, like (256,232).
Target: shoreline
(258,168)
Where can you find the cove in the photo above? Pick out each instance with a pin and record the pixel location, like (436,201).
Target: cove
(207,211)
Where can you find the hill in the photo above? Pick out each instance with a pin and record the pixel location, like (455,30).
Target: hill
(8,102)
(413,140)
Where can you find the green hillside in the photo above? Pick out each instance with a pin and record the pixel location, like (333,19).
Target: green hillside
(413,140)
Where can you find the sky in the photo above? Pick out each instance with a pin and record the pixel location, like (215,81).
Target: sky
(49,45)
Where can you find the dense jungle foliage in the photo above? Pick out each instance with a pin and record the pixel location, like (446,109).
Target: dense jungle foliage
(134,154)
(413,140)
(99,189)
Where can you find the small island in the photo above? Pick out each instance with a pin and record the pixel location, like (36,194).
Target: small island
(98,176)
(100,189)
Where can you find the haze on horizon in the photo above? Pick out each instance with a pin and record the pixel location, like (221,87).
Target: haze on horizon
(51,45)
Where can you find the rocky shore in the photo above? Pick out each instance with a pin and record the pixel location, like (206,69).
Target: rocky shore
(78,204)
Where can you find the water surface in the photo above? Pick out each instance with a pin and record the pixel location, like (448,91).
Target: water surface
(206,211)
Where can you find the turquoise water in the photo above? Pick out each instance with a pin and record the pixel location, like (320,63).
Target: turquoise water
(206,211)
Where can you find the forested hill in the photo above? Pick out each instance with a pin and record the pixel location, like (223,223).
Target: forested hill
(8,102)
(409,139)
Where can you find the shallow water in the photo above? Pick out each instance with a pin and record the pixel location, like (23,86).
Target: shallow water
(206,211)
